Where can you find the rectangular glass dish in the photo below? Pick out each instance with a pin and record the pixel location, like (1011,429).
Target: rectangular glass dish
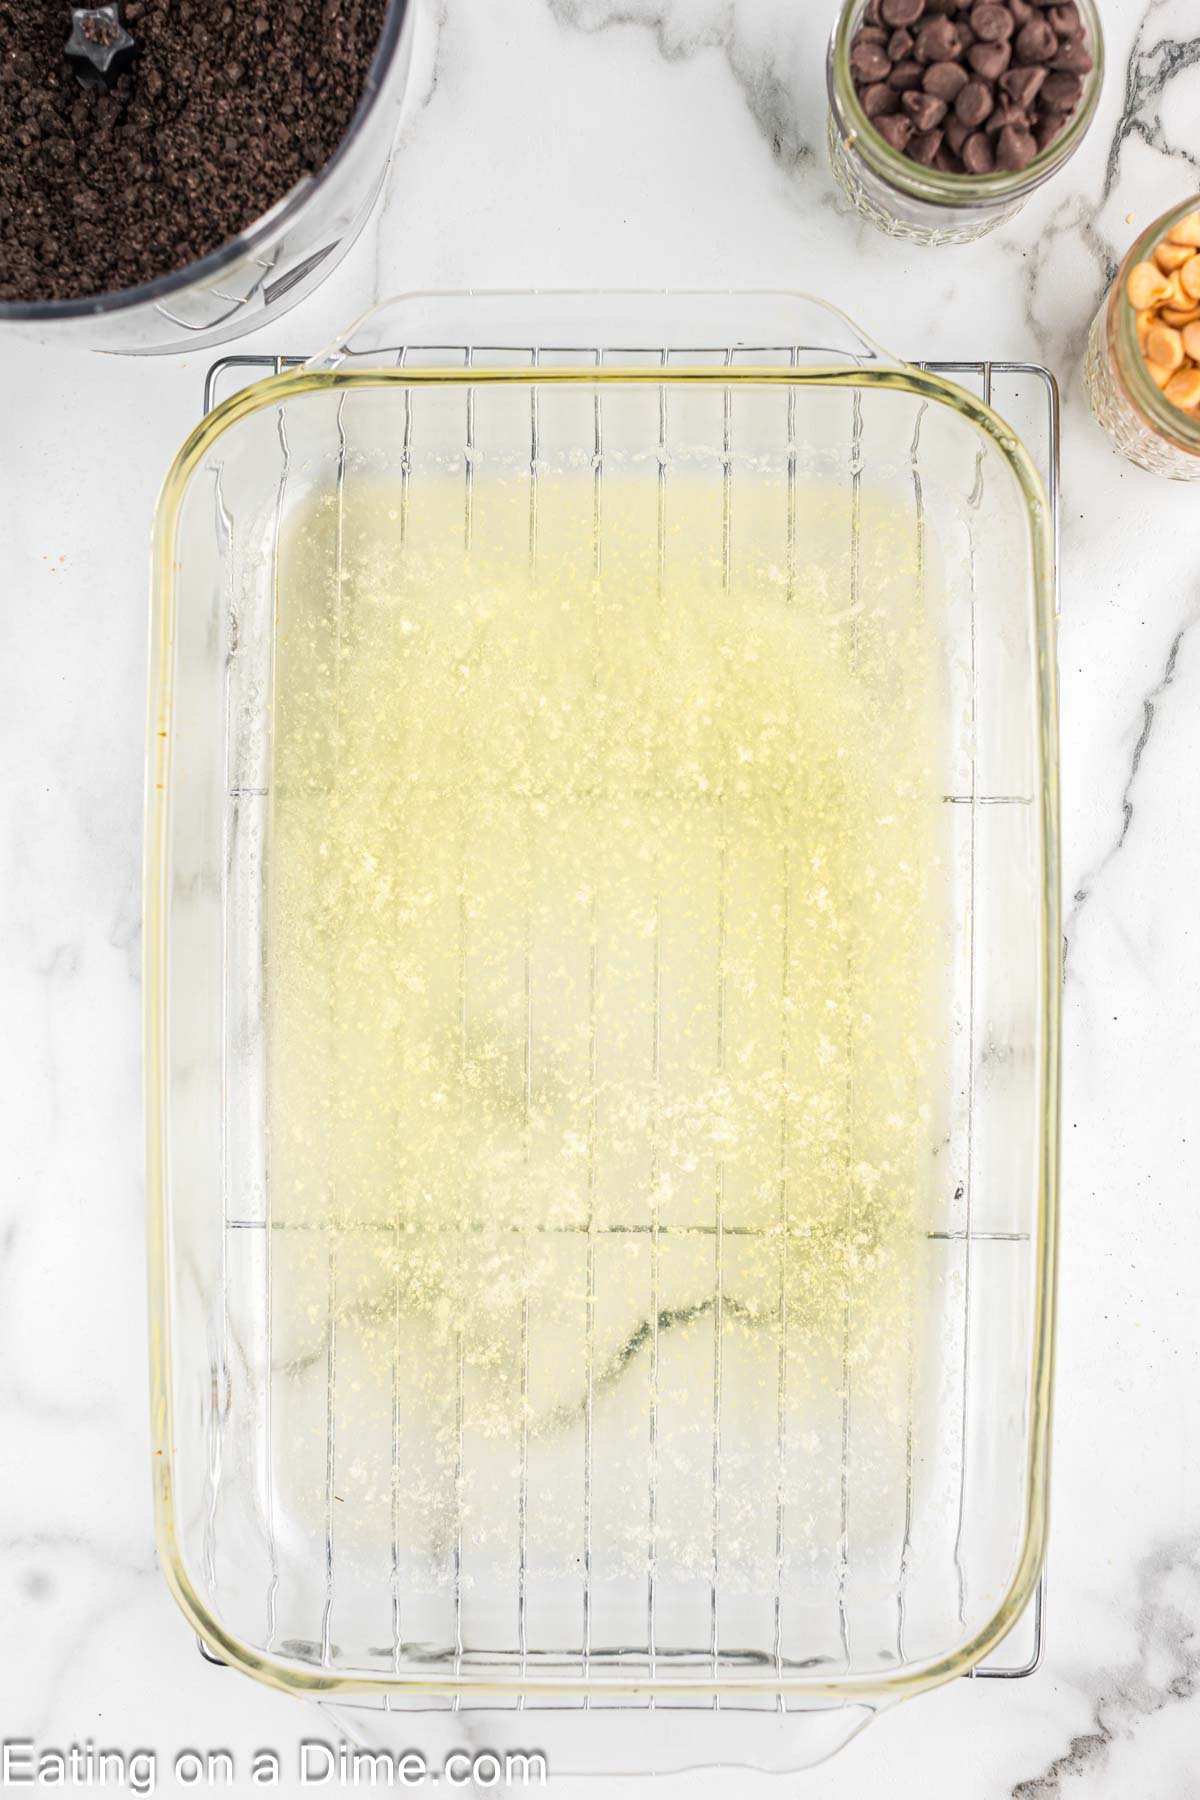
(602,1012)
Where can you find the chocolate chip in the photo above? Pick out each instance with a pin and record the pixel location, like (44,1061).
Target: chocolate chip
(1048,127)
(1015,148)
(899,45)
(1022,85)
(868,60)
(1006,112)
(1021,11)
(947,162)
(901,12)
(871,34)
(938,40)
(989,60)
(1073,55)
(956,134)
(1061,93)
(1036,42)
(978,156)
(1065,19)
(878,99)
(906,75)
(925,110)
(945,79)
(991,22)
(974,103)
(895,129)
(923,146)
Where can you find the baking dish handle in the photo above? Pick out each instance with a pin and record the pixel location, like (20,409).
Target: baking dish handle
(487,329)
(576,1744)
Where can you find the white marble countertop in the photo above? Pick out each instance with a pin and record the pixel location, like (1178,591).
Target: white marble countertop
(633,143)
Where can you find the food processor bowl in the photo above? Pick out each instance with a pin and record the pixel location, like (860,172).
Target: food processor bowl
(266,269)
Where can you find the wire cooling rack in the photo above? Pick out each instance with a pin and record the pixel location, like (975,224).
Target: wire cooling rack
(1026,395)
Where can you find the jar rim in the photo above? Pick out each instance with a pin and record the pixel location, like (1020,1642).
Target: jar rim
(1157,412)
(935,186)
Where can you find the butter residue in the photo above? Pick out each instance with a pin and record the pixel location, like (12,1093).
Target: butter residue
(607,998)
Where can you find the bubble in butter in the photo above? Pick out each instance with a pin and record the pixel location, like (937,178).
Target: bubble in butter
(607,1003)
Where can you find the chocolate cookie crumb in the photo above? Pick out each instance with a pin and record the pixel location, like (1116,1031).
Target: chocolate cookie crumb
(229,104)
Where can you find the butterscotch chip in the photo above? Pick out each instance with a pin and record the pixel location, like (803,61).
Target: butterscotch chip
(1189,277)
(1170,257)
(1164,346)
(1147,286)
(1191,340)
(1179,296)
(1187,231)
(1183,389)
(1179,316)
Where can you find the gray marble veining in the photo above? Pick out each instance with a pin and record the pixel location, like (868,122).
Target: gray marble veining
(1164,1672)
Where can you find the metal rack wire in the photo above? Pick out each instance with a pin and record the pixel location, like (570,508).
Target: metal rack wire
(1035,392)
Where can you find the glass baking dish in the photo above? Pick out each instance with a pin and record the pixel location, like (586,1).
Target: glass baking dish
(694,1462)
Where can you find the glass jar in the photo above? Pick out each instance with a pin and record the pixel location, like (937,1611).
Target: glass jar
(1138,417)
(925,205)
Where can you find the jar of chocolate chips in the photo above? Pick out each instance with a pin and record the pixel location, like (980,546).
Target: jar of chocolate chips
(944,117)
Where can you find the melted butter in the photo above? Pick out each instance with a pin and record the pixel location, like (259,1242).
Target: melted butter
(607,993)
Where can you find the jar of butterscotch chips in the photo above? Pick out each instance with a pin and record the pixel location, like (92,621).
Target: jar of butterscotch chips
(945,115)
(1143,357)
